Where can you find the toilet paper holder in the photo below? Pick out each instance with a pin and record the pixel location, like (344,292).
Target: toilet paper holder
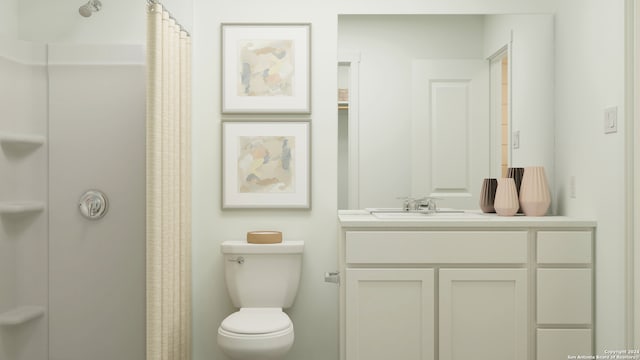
(332,277)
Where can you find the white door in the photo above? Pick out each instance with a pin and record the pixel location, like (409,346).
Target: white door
(390,314)
(450,130)
(483,314)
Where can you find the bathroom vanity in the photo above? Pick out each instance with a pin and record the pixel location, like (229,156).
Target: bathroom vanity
(466,286)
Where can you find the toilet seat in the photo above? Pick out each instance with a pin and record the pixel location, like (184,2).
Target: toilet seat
(256,321)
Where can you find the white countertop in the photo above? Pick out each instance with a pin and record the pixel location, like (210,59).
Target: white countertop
(470,219)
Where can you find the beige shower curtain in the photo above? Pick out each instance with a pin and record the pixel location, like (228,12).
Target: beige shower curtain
(168,188)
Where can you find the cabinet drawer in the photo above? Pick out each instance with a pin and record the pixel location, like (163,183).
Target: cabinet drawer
(569,247)
(417,247)
(564,296)
(559,344)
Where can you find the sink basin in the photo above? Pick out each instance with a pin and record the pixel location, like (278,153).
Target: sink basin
(397,213)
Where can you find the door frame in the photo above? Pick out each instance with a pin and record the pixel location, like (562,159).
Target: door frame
(352,59)
(496,111)
(632,173)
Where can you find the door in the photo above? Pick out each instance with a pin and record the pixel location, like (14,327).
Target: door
(390,314)
(483,314)
(451,130)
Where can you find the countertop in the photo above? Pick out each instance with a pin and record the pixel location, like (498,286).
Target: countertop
(470,219)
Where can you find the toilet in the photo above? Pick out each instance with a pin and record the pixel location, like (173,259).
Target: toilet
(262,279)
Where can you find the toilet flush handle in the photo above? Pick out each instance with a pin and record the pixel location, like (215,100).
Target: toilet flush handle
(239,260)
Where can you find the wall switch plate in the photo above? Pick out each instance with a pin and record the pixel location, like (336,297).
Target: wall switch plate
(515,139)
(611,120)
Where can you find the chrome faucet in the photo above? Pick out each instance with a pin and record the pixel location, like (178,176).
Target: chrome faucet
(424,204)
(427,203)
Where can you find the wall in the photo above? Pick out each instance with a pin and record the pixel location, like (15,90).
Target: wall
(23,173)
(315,312)
(590,77)
(9,18)
(119,21)
(97,141)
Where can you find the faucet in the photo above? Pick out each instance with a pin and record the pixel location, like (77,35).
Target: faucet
(420,204)
(428,203)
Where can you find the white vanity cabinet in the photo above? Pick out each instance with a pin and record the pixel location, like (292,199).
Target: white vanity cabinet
(494,288)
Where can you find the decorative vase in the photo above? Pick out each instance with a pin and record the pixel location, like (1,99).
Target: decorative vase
(516,173)
(488,195)
(534,193)
(506,202)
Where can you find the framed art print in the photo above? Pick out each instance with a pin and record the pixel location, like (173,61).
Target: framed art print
(266,164)
(266,68)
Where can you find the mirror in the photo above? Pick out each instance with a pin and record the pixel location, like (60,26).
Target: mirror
(425,113)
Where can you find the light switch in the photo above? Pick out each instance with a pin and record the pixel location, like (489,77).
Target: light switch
(515,139)
(611,120)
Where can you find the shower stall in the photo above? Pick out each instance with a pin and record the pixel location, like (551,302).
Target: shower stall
(72,120)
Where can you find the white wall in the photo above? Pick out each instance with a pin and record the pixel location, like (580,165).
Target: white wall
(97,141)
(315,311)
(388,45)
(9,18)
(119,21)
(590,78)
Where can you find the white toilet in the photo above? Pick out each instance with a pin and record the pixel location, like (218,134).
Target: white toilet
(262,279)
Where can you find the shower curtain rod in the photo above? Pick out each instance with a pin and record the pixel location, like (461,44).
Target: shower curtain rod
(157,2)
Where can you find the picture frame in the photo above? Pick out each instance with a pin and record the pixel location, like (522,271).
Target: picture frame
(266,164)
(266,68)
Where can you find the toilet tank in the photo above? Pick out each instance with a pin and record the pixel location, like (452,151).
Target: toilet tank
(262,275)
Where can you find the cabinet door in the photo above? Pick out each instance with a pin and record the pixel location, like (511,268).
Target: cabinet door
(483,314)
(390,314)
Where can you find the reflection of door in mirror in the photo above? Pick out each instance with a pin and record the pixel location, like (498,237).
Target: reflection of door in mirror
(500,113)
(450,141)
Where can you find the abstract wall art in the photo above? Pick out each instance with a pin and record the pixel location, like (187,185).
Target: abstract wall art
(266,164)
(266,68)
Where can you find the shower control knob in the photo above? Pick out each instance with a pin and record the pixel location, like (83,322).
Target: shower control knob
(93,204)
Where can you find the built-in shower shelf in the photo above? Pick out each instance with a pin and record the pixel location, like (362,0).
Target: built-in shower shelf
(21,315)
(20,207)
(21,141)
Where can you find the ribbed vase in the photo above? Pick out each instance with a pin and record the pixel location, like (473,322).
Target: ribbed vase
(506,202)
(488,195)
(516,173)
(534,192)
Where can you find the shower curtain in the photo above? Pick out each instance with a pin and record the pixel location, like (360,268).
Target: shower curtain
(168,188)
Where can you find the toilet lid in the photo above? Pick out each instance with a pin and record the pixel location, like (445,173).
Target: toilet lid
(256,321)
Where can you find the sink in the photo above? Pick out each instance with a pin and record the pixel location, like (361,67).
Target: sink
(397,213)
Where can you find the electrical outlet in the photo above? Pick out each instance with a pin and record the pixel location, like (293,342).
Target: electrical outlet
(515,139)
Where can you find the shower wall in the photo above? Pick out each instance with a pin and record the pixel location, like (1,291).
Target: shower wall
(23,194)
(85,108)
(97,141)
